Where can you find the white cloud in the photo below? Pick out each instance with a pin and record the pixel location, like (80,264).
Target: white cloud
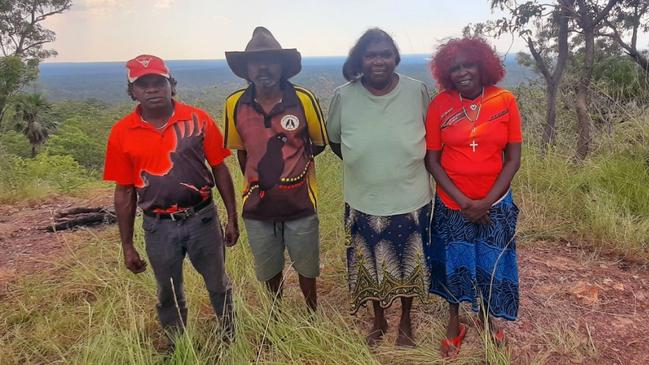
(103,7)
(164,4)
(95,5)
(221,19)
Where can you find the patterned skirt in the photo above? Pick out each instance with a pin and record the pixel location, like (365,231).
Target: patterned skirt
(469,262)
(385,256)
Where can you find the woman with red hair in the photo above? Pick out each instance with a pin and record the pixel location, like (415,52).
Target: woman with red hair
(473,138)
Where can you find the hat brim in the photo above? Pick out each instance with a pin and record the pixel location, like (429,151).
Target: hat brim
(290,59)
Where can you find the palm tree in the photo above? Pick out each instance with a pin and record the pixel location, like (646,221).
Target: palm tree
(33,118)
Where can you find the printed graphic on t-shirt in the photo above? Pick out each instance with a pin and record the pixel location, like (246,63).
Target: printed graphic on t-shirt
(290,122)
(179,173)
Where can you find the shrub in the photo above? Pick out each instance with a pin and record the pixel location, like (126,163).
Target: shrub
(73,141)
(15,143)
(28,178)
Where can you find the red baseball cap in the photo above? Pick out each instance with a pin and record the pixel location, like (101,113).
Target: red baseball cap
(145,65)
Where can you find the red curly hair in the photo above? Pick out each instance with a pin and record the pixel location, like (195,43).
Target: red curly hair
(477,51)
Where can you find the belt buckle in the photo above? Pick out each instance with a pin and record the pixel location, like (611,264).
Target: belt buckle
(182,215)
(189,212)
(172,216)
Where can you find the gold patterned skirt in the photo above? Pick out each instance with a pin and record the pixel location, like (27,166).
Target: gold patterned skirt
(385,256)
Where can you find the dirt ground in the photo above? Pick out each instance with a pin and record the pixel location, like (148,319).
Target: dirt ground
(24,246)
(577,306)
(580,307)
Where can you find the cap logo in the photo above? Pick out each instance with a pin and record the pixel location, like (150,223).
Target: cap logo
(144,61)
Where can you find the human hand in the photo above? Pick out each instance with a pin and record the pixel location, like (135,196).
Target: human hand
(484,220)
(231,232)
(133,261)
(476,211)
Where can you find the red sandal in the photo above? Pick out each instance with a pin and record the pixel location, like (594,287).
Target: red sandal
(455,342)
(499,338)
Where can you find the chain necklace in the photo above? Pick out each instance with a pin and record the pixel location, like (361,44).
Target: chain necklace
(473,107)
(160,128)
(473,143)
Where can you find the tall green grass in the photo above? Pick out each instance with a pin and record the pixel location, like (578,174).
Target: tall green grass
(602,201)
(90,310)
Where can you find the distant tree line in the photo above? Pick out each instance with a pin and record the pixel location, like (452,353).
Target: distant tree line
(570,43)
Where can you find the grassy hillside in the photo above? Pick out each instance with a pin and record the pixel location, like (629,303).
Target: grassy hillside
(90,310)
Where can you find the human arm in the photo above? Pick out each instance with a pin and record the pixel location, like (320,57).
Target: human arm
(511,162)
(242,158)
(316,150)
(315,122)
(224,185)
(511,154)
(335,148)
(478,210)
(468,206)
(334,124)
(125,199)
(119,168)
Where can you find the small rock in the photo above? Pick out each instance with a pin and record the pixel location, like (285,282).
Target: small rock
(585,292)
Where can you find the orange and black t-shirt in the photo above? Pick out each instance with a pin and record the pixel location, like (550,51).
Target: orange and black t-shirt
(167,165)
(279,171)
(472,152)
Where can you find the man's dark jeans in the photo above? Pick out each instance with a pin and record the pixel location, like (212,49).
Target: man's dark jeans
(199,237)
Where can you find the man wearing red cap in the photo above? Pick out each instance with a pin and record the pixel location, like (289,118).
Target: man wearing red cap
(156,156)
(277,129)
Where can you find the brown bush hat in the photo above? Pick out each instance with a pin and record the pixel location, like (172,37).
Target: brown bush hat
(263,42)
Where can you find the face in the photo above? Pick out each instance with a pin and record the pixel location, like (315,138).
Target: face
(152,91)
(465,76)
(379,62)
(264,71)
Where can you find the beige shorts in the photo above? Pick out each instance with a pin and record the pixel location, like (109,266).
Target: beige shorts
(268,239)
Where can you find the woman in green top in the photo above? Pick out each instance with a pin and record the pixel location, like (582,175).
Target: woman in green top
(376,126)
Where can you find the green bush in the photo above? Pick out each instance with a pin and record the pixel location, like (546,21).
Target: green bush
(15,143)
(73,141)
(27,178)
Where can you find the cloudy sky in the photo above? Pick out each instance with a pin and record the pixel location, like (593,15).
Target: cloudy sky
(117,30)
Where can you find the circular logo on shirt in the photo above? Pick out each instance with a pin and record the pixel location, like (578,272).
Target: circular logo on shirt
(290,122)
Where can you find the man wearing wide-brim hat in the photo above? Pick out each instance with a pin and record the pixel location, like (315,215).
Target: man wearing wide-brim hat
(277,128)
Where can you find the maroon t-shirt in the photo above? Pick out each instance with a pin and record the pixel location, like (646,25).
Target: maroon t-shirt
(279,168)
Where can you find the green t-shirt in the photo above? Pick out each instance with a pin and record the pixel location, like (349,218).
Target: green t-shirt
(383,146)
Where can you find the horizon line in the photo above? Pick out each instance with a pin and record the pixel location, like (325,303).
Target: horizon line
(209,59)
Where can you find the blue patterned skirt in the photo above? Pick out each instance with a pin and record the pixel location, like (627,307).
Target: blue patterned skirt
(469,261)
(385,256)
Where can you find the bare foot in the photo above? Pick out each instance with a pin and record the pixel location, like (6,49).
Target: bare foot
(450,345)
(497,333)
(405,338)
(376,333)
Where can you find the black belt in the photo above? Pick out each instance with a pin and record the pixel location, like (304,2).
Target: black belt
(181,215)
